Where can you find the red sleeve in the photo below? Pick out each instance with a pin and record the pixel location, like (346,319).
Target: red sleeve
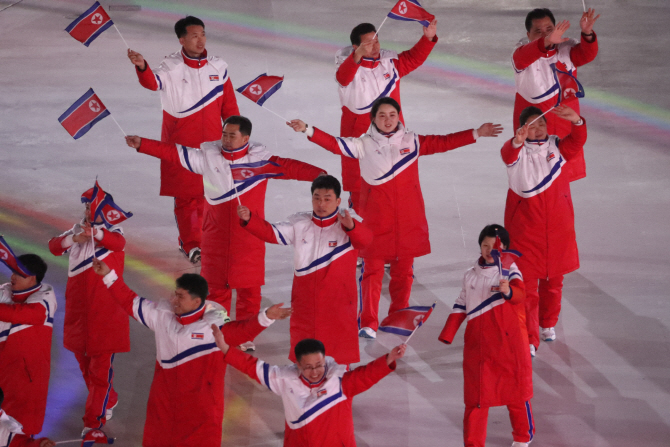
(451,327)
(56,246)
(260,228)
(242,362)
(410,60)
(123,295)
(158,149)
(31,313)
(26,441)
(112,240)
(361,236)
(529,53)
(518,291)
(326,141)
(297,170)
(146,77)
(574,142)
(509,153)
(362,378)
(229,103)
(241,331)
(432,144)
(347,71)
(584,52)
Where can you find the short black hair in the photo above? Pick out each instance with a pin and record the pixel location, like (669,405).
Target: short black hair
(538,13)
(527,113)
(194,284)
(360,30)
(494,230)
(308,346)
(35,265)
(182,24)
(327,182)
(242,121)
(380,102)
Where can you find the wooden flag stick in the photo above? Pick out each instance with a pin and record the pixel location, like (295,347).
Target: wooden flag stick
(124,40)
(117,123)
(272,111)
(541,115)
(380,27)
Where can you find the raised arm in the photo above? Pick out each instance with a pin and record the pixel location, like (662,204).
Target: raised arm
(526,54)
(359,234)
(347,70)
(574,142)
(144,74)
(237,332)
(59,245)
(587,48)
(362,378)
(189,158)
(410,60)
(258,370)
(281,233)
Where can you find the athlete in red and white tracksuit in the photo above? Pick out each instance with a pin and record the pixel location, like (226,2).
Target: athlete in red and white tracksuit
(11,433)
(324,290)
(541,222)
(360,85)
(196,95)
(316,414)
(497,369)
(26,326)
(536,84)
(185,407)
(232,258)
(95,326)
(392,206)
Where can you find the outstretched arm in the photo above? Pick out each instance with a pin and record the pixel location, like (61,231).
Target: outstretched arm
(189,158)
(526,54)
(297,170)
(349,147)
(432,144)
(362,378)
(281,233)
(587,48)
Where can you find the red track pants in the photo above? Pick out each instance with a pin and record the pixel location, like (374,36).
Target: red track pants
(400,287)
(99,376)
(476,419)
(543,305)
(188,214)
(248,301)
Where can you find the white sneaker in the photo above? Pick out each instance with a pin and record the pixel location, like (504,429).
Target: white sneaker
(110,411)
(519,444)
(547,334)
(367,332)
(194,255)
(359,262)
(247,346)
(85,430)
(532,350)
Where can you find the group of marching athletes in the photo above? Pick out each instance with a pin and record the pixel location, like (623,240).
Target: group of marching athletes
(218,178)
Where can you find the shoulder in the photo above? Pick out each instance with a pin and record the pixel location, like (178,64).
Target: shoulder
(45,293)
(115,229)
(258,150)
(335,369)
(343,54)
(211,146)
(5,293)
(387,54)
(302,216)
(172,62)
(217,62)
(522,42)
(567,44)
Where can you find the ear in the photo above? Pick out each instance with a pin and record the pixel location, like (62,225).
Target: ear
(339,200)
(528,35)
(181,41)
(245,138)
(355,47)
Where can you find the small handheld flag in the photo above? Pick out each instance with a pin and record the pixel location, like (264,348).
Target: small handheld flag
(503,258)
(412,11)
(252,172)
(95,437)
(406,321)
(8,258)
(568,87)
(83,114)
(88,26)
(103,206)
(261,88)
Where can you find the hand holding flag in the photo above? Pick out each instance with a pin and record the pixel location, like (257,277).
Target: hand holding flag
(406,321)
(503,258)
(102,205)
(8,258)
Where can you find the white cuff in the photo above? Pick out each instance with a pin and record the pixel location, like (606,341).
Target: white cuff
(110,278)
(309,131)
(67,242)
(263,319)
(475,134)
(98,236)
(516,146)
(580,122)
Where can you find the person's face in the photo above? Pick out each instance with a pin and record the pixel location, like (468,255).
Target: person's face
(232,138)
(324,202)
(373,50)
(537,130)
(87,214)
(312,366)
(183,302)
(487,245)
(21,283)
(540,28)
(194,41)
(386,118)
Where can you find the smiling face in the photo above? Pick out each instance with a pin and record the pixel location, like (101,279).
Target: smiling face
(373,50)
(183,302)
(194,41)
(232,138)
(537,130)
(324,202)
(386,118)
(540,28)
(312,366)
(486,246)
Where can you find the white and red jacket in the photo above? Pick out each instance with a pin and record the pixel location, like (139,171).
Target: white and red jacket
(324,293)
(497,368)
(539,215)
(316,414)
(185,405)
(196,95)
(391,200)
(360,85)
(232,257)
(26,326)
(94,323)
(536,84)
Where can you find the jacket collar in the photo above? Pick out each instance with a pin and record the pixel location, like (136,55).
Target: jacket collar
(20,296)
(370,63)
(536,145)
(191,317)
(314,384)
(194,62)
(325,221)
(235,154)
(385,139)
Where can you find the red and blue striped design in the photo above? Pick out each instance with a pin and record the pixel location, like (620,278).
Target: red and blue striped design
(404,321)
(88,26)
(8,258)
(83,114)
(411,11)
(261,88)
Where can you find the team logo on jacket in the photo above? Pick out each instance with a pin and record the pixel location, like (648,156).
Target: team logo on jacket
(387,76)
(551,156)
(213,77)
(332,243)
(495,289)
(322,392)
(197,336)
(405,151)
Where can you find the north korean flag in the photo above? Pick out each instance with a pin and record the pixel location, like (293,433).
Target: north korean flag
(569,88)
(102,205)
(404,321)
(88,26)
(83,114)
(503,258)
(411,11)
(253,172)
(8,258)
(261,88)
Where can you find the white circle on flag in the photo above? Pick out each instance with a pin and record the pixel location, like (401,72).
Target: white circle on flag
(418,319)
(402,8)
(96,19)
(112,215)
(3,254)
(256,89)
(94,105)
(246,173)
(569,92)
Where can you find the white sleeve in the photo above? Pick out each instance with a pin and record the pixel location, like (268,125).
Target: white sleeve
(269,376)
(284,233)
(351,147)
(459,305)
(162,78)
(192,159)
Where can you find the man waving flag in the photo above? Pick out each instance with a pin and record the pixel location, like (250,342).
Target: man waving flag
(411,11)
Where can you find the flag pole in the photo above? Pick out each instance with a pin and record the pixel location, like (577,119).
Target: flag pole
(68,442)
(584,5)
(380,26)
(117,123)
(272,111)
(541,115)
(410,335)
(124,40)
(237,194)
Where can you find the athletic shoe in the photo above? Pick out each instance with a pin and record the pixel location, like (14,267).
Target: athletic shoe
(110,411)
(367,332)
(85,430)
(359,262)
(247,346)
(547,334)
(519,444)
(194,255)
(532,350)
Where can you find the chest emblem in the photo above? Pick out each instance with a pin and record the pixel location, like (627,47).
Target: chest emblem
(332,243)
(387,76)
(405,151)
(197,336)
(321,393)
(550,156)
(495,289)
(213,77)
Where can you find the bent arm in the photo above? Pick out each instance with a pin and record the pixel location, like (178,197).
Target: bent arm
(34,314)
(410,60)
(112,240)
(346,72)
(585,51)
(147,78)
(526,54)
(432,144)
(349,147)
(518,290)
(360,236)
(281,233)
(574,142)
(189,158)
(362,378)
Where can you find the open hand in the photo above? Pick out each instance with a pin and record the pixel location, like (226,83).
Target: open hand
(133,141)
(556,35)
(587,21)
(100,268)
(137,59)
(346,220)
(219,339)
(490,130)
(277,313)
(521,135)
(430,30)
(566,113)
(297,125)
(396,353)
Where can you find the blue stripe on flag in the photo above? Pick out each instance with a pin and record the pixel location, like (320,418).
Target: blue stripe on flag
(81,132)
(85,97)
(86,13)
(269,93)
(101,30)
